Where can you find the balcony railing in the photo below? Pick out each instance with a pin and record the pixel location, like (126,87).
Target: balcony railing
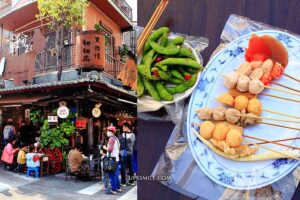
(123,5)
(46,62)
(113,65)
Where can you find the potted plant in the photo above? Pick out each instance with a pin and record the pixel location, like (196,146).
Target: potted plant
(123,51)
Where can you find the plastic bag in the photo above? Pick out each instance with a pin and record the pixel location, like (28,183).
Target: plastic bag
(177,161)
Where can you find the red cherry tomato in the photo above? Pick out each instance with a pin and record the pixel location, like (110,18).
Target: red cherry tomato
(187,77)
(155,73)
(266,78)
(159,58)
(277,71)
(257,49)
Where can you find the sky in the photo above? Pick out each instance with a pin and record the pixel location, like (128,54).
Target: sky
(133,4)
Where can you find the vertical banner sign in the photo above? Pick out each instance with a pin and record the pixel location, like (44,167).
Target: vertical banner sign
(90,50)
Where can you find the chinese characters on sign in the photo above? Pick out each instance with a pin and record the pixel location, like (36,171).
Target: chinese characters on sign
(91,50)
(22,41)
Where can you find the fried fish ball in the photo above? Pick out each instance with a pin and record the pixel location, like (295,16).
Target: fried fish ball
(245,69)
(232,115)
(243,83)
(267,66)
(256,86)
(256,64)
(234,92)
(234,138)
(226,99)
(231,79)
(205,113)
(256,74)
(219,113)
(250,119)
(241,102)
(206,130)
(254,106)
(220,131)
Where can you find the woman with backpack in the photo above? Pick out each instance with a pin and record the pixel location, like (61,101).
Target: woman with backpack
(113,150)
(9,131)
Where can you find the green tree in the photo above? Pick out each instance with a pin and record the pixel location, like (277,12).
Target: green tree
(62,14)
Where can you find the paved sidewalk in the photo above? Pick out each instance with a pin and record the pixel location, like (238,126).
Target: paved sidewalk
(19,187)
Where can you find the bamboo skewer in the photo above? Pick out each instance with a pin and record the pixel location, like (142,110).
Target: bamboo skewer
(270,141)
(269,149)
(284,91)
(291,77)
(287,87)
(284,98)
(269,118)
(283,114)
(152,22)
(282,140)
(271,124)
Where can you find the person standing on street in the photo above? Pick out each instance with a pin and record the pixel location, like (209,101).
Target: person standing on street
(24,133)
(9,131)
(127,141)
(113,150)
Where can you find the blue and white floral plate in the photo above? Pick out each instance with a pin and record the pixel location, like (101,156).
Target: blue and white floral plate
(245,175)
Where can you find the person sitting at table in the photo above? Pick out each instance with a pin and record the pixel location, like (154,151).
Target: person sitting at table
(21,160)
(75,158)
(8,153)
(33,162)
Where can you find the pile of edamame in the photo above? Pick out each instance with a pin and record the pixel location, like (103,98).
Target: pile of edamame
(166,67)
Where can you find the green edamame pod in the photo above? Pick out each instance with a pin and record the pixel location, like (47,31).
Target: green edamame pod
(183,71)
(176,41)
(162,67)
(191,70)
(177,74)
(180,61)
(170,50)
(185,53)
(184,86)
(143,70)
(164,40)
(140,84)
(175,80)
(151,89)
(164,75)
(154,37)
(145,67)
(163,92)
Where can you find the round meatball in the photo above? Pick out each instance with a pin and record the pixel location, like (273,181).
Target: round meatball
(206,130)
(226,99)
(232,115)
(256,64)
(219,113)
(254,106)
(250,119)
(234,138)
(231,79)
(205,113)
(240,102)
(256,86)
(256,74)
(267,65)
(220,131)
(245,69)
(243,83)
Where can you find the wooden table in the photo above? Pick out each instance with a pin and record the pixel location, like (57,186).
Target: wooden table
(204,18)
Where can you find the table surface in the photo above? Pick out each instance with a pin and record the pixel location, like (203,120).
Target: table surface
(204,18)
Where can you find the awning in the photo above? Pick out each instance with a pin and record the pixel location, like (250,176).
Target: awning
(19,16)
(21,100)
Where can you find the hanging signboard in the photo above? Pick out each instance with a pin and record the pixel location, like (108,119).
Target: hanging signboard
(81,123)
(52,119)
(63,111)
(90,50)
(96,112)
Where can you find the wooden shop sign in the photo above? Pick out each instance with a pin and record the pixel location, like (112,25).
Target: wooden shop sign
(90,50)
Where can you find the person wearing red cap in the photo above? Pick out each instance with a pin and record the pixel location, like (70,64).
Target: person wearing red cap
(113,150)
